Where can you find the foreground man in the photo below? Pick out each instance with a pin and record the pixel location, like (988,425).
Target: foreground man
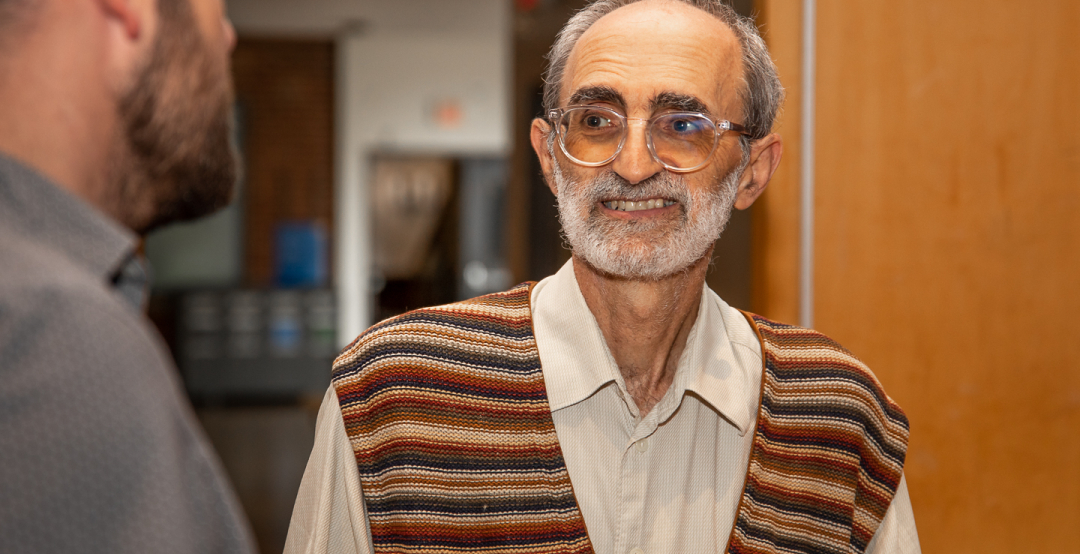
(114,119)
(618,406)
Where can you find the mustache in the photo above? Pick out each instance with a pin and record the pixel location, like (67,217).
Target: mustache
(612,186)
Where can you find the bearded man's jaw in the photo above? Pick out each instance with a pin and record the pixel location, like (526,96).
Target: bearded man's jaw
(176,156)
(639,242)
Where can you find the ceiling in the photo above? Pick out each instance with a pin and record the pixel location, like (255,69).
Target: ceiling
(329,18)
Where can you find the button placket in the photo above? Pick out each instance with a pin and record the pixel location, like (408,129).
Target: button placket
(633,484)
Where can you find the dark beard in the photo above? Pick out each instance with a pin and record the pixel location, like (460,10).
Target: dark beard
(177,161)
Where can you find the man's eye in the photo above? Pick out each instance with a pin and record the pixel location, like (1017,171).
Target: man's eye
(596,121)
(684,126)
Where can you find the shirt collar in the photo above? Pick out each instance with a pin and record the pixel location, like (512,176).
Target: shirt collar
(574,356)
(714,372)
(33,206)
(576,360)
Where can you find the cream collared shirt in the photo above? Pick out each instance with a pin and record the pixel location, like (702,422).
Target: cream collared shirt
(668,482)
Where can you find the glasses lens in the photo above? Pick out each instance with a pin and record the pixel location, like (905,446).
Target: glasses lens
(591,135)
(682,140)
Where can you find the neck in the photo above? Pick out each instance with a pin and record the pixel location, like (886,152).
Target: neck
(55,116)
(645,323)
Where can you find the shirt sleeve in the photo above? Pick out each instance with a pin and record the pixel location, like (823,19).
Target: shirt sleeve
(330,515)
(897,533)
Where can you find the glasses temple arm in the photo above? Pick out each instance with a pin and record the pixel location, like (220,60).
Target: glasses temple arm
(729,126)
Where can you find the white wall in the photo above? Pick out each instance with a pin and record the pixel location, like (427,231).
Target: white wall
(201,253)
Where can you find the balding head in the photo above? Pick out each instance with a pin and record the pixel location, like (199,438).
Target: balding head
(760,89)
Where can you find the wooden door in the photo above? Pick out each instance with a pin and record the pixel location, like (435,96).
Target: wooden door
(947,245)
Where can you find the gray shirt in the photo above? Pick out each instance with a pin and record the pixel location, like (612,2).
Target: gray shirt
(99,449)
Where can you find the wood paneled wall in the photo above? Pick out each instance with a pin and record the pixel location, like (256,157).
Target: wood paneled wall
(286,90)
(775,235)
(948,247)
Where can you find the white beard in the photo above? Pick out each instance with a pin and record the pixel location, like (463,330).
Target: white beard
(643,250)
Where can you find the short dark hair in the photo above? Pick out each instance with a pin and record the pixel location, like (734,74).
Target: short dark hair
(762,93)
(14,14)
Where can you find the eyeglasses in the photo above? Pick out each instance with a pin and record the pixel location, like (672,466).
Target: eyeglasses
(681,141)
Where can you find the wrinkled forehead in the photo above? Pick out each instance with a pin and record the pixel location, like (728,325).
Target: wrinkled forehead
(654,50)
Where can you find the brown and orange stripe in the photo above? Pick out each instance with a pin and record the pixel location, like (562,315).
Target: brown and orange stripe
(448,417)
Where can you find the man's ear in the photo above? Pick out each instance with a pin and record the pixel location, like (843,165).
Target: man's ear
(129,14)
(764,158)
(538,135)
(131,26)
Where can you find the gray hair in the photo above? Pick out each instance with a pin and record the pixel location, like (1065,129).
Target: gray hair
(762,93)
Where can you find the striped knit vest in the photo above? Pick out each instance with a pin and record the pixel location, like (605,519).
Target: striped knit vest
(448,417)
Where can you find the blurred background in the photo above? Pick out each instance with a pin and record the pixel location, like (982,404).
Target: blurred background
(387,167)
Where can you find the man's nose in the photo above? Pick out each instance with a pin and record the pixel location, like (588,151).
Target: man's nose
(635,163)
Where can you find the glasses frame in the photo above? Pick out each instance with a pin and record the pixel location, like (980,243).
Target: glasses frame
(721,126)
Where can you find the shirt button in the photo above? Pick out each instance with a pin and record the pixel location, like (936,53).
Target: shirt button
(637,551)
(641,445)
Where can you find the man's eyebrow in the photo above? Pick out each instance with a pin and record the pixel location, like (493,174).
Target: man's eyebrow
(676,101)
(597,94)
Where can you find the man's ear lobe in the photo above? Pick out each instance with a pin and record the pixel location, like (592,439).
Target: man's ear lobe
(129,13)
(764,159)
(538,135)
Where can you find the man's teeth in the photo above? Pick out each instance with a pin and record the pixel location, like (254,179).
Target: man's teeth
(631,206)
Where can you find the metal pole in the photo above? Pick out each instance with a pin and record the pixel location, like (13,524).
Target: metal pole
(806,235)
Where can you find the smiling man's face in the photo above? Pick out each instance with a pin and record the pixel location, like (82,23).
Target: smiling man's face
(632,217)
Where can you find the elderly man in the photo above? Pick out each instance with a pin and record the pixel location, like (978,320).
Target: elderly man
(618,406)
(114,119)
